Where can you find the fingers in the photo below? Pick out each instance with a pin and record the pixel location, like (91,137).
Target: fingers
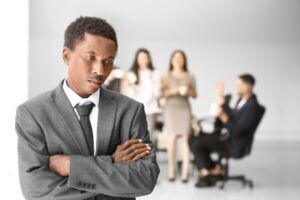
(128,143)
(136,146)
(135,153)
(140,156)
(131,150)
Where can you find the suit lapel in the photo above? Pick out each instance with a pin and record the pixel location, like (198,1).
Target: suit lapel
(64,108)
(106,120)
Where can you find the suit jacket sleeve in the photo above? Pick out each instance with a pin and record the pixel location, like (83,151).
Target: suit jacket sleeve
(238,125)
(37,181)
(113,179)
(226,108)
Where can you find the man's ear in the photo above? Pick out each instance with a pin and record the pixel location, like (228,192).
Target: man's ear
(66,55)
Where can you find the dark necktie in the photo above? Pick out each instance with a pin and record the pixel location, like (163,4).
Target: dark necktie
(84,111)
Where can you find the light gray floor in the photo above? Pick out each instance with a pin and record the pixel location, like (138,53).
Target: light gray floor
(274,168)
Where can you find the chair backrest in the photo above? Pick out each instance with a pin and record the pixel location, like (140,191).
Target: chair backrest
(260,114)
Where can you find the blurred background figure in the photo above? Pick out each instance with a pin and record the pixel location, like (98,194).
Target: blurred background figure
(114,80)
(143,83)
(233,134)
(178,85)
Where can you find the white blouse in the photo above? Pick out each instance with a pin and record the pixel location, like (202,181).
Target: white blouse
(147,91)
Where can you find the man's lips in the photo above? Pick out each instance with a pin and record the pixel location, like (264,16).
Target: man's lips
(96,81)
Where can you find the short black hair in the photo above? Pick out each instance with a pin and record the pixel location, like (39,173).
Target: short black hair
(84,24)
(247,78)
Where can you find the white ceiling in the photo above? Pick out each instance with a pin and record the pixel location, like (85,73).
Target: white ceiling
(270,21)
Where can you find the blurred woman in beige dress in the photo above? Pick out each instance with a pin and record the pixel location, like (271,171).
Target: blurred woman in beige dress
(178,86)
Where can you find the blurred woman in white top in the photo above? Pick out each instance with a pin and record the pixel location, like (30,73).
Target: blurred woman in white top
(143,83)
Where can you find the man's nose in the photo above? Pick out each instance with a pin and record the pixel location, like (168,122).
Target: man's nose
(98,68)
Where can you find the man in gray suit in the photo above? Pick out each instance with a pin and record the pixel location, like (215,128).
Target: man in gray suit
(81,141)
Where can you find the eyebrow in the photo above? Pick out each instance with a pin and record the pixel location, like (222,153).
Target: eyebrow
(92,52)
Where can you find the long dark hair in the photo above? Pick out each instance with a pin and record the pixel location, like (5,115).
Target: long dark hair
(185,68)
(135,66)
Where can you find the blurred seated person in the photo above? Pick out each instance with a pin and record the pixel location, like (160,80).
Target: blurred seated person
(238,122)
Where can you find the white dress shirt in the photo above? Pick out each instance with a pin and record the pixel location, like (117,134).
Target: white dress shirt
(75,99)
(241,104)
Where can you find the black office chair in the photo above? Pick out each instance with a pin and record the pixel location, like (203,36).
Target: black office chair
(224,157)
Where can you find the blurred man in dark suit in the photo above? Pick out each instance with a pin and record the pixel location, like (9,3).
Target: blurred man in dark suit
(238,122)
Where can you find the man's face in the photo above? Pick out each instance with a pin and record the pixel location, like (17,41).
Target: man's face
(89,63)
(241,87)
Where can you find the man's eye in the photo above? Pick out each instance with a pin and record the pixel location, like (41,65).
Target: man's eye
(109,62)
(91,58)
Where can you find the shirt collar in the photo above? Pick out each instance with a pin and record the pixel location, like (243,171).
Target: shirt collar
(74,98)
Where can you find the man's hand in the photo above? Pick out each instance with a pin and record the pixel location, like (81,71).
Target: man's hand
(130,151)
(60,164)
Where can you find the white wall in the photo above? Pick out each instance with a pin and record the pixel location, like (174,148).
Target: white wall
(222,39)
(13,82)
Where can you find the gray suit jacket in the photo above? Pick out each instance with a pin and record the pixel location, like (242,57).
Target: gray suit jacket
(47,125)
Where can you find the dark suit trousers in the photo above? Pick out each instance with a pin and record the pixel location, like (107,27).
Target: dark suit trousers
(203,145)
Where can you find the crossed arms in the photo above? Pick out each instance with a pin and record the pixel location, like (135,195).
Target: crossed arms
(131,171)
